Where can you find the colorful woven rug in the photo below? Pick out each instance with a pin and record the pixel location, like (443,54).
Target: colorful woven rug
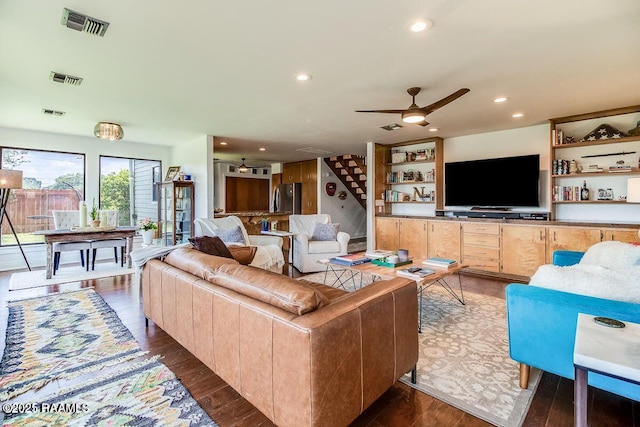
(148,394)
(464,355)
(61,336)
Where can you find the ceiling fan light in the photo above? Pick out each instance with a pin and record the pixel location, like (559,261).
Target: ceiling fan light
(108,131)
(421,25)
(413,116)
(243,168)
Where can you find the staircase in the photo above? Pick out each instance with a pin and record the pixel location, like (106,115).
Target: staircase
(352,172)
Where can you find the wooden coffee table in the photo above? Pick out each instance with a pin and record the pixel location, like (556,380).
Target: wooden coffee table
(346,273)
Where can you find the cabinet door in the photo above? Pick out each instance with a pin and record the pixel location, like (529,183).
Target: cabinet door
(291,173)
(444,239)
(309,198)
(523,249)
(387,234)
(309,170)
(413,236)
(628,235)
(571,239)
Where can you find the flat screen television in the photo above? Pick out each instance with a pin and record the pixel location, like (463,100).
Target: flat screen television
(493,183)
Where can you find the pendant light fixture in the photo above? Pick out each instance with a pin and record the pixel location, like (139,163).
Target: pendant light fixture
(109,131)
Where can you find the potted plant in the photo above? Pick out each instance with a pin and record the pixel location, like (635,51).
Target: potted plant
(93,213)
(148,229)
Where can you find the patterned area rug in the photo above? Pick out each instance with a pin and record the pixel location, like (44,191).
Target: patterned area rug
(146,395)
(464,355)
(36,279)
(61,336)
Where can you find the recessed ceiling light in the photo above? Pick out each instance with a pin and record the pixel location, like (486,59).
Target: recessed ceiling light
(223,143)
(500,99)
(517,115)
(303,77)
(421,25)
(433,129)
(262,149)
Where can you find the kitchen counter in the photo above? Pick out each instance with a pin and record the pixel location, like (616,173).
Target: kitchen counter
(251,220)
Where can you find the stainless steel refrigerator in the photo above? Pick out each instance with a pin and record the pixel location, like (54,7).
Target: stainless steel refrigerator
(288,198)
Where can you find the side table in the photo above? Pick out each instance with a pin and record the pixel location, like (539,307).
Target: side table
(280,233)
(607,351)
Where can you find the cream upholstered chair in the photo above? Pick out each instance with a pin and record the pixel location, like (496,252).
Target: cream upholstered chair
(112,220)
(64,220)
(306,251)
(231,230)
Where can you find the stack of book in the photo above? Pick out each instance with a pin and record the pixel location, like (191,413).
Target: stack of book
(378,253)
(415,273)
(440,262)
(620,168)
(350,259)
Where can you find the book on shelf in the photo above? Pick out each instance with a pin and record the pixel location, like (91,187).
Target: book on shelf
(415,272)
(440,262)
(378,253)
(620,168)
(349,263)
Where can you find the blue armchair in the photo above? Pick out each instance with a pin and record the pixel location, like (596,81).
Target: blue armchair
(542,328)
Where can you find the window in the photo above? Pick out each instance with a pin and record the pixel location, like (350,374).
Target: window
(128,186)
(50,180)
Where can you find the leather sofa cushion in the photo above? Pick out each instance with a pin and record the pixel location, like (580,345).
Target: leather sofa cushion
(195,262)
(324,247)
(243,254)
(272,288)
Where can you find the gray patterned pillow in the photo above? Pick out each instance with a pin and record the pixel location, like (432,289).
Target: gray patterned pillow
(325,231)
(231,235)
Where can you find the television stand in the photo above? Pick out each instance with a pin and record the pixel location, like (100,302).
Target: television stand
(489,208)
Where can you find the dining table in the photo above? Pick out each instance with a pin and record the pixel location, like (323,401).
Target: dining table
(83,234)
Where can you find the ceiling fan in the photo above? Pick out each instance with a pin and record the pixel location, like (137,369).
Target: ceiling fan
(415,114)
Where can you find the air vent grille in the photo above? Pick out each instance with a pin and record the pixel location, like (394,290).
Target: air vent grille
(64,78)
(392,126)
(53,112)
(86,24)
(314,150)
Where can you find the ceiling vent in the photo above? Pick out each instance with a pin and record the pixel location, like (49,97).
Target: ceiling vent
(392,126)
(63,78)
(314,150)
(86,24)
(56,113)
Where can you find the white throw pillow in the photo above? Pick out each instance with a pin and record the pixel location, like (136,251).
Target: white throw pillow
(611,254)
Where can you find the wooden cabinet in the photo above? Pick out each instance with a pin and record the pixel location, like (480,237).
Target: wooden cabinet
(175,211)
(412,235)
(291,173)
(571,238)
(481,246)
(309,198)
(387,233)
(628,235)
(585,140)
(444,239)
(523,249)
(309,171)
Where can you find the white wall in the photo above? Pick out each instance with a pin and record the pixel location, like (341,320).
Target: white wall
(10,257)
(195,158)
(349,213)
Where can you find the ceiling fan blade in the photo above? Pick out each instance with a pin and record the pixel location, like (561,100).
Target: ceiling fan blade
(381,111)
(444,101)
(423,123)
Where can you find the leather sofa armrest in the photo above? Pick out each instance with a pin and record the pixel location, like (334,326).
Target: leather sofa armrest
(264,240)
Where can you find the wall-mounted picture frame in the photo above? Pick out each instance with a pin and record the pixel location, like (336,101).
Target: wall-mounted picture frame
(172,173)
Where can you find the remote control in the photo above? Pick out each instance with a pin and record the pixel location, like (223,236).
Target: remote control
(606,321)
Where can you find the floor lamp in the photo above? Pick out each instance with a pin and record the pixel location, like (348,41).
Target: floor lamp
(10,179)
(633,192)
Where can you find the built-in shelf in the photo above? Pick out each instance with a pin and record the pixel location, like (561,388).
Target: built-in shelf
(410,182)
(598,142)
(412,201)
(633,171)
(590,201)
(411,162)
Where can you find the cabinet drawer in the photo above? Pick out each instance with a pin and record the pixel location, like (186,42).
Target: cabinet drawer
(482,264)
(487,240)
(481,228)
(481,252)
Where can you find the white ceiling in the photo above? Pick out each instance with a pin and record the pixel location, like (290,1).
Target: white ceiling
(172,71)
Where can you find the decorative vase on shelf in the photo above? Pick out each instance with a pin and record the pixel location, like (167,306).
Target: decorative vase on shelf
(147,236)
(95,223)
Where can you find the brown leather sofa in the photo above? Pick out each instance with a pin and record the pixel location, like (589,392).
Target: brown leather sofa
(304,354)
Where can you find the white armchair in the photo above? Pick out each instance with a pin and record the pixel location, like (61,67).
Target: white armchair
(307,252)
(269,254)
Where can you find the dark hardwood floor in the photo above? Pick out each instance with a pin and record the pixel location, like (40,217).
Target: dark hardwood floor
(400,406)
